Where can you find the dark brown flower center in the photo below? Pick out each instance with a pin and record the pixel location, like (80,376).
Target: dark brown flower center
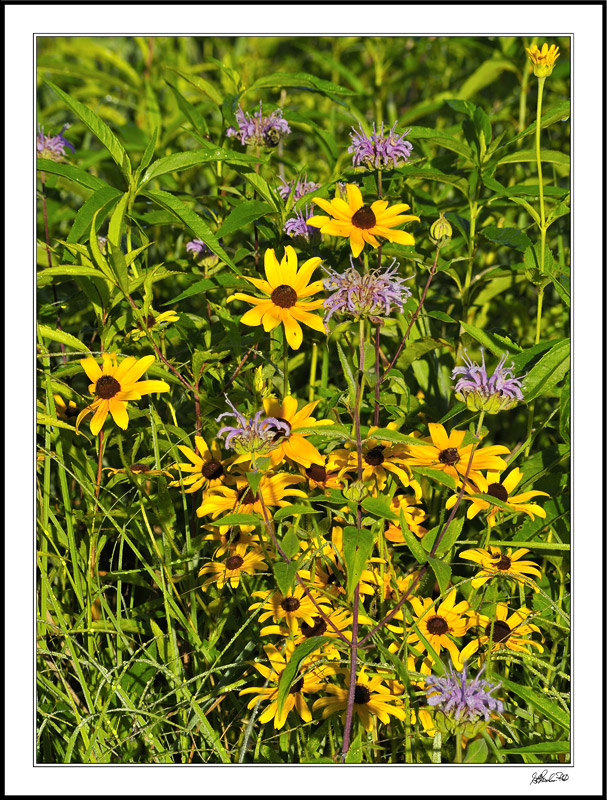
(319,627)
(501,631)
(503,564)
(232,537)
(450,456)
(317,473)
(297,686)
(497,490)
(375,456)
(248,498)
(70,411)
(212,470)
(234,562)
(107,387)
(361,694)
(140,468)
(290,604)
(364,218)
(280,434)
(284,296)
(437,626)
(334,578)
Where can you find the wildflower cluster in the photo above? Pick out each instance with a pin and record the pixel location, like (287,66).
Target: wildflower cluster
(260,130)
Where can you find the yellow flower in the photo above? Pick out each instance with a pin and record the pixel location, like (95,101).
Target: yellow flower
(542,60)
(371,698)
(239,563)
(362,223)
(413,515)
(284,291)
(494,562)
(294,446)
(154,321)
(310,679)
(229,537)
(208,467)
(438,625)
(114,386)
(273,490)
(448,455)
(502,490)
(292,608)
(65,411)
(506,632)
(326,477)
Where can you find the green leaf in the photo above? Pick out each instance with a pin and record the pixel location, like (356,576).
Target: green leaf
(450,537)
(298,79)
(493,342)
(203,285)
(355,751)
(258,183)
(290,543)
(242,215)
(290,671)
(116,221)
(415,350)
(388,435)
(46,419)
(357,548)
(441,139)
(543,704)
(510,237)
(477,752)
(548,372)
(413,173)
(194,222)
(442,572)
(99,129)
(62,337)
(542,748)
(558,113)
(488,72)
(180,161)
(238,519)
(378,508)
(348,374)
(119,265)
(102,200)
(253,479)
(202,85)
(148,153)
(293,510)
(45,276)
(440,315)
(436,475)
(565,410)
(548,157)
(413,543)
(285,575)
(73,174)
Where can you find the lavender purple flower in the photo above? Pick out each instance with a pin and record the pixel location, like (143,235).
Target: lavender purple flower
(298,187)
(259,130)
(198,246)
(297,225)
(52,147)
(371,294)
(252,435)
(481,393)
(378,151)
(463,702)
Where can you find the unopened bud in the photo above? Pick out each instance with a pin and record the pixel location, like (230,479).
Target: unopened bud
(441,230)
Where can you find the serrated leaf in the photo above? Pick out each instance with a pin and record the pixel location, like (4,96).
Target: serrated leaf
(242,215)
(98,128)
(254,479)
(290,543)
(357,548)
(493,342)
(62,337)
(290,671)
(442,572)
(548,372)
(355,751)
(509,237)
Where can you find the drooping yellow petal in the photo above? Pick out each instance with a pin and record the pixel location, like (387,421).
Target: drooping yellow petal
(311,320)
(356,242)
(119,413)
(293,330)
(99,417)
(254,315)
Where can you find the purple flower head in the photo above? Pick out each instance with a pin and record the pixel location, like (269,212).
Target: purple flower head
(297,226)
(378,151)
(299,188)
(252,434)
(198,246)
(481,393)
(461,700)
(372,294)
(52,147)
(260,130)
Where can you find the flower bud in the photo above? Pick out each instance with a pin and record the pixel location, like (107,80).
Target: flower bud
(441,230)
(543,60)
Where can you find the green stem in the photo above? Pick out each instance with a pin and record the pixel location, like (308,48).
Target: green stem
(285,366)
(313,366)
(458,748)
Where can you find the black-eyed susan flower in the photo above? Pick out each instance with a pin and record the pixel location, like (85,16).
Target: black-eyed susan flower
(361,223)
(208,467)
(505,632)
(309,679)
(114,385)
(543,60)
(292,609)
(65,411)
(284,290)
(413,515)
(229,537)
(439,625)
(372,698)
(447,454)
(380,459)
(494,562)
(154,322)
(272,488)
(240,562)
(323,477)
(500,488)
(293,444)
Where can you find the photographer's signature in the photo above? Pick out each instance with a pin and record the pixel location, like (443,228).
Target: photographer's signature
(543,777)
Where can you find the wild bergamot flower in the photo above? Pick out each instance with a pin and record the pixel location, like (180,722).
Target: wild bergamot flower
(258,129)
(543,60)
(481,393)
(52,147)
(285,289)
(500,488)
(378,151)
(361,223)
(114,386)
(494,562)
(253,435)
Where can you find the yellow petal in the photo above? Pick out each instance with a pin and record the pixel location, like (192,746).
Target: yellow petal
(311,320)
(254,315)
(147,387)
(135,372)
(305,273)
(293,330)
(119,413)
(272,267)
(355,198)
(92,369)
(356,242)
(99,418)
